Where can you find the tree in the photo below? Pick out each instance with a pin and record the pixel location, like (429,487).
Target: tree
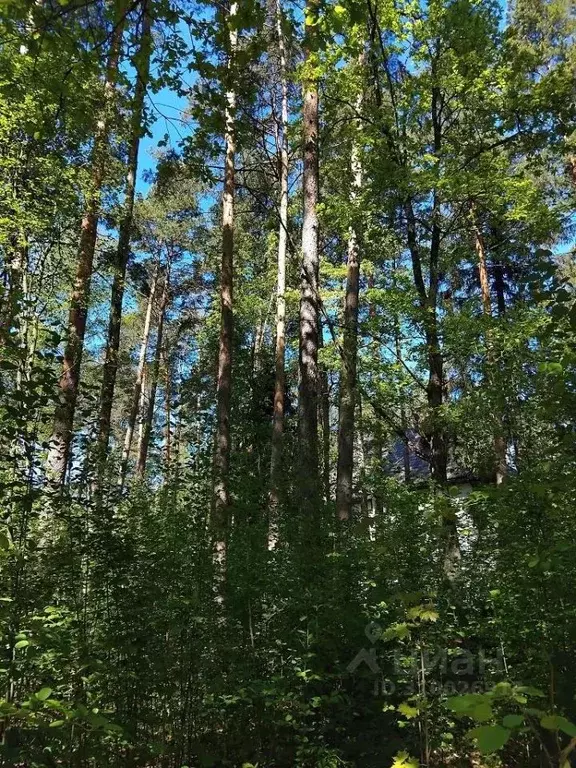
(309,296)
(164,624)
(280,352)
(348,372)
(136,406)
(148,417)
(142,67)
(221,498)
(59,454)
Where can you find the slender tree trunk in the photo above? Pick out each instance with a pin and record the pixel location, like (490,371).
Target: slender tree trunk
(347,403)
(147,421)
(324,418)
(309,297)
(361,438)
(435,433)
(500,442)
(403,419)
(500,288)
(260,336)
(221,499)
(177,451)
(15,273)
(428,306)
(138,384)
(123,249)
(60,442)
(280,354)
(500,446)
(435,386)
(142,405)
(168,414)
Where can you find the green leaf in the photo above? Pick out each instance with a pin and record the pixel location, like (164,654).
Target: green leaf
(464,704)
(43,693)
(558,723)
(22,644)
(482,712)
(490,738)
(502,690)
(513,721)
(408,710)
(530,691)
(396,631)
(404,760)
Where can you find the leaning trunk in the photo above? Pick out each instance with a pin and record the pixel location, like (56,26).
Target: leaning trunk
(144,442)
(137,391)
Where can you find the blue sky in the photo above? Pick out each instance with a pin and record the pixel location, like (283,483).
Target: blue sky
(171,106)
(167,109)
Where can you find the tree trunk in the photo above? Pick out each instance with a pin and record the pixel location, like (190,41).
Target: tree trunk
(220,499)
(280,374)
(500,446)
(137,391)
(403,420)
(309,298)
(499,288)
(168,416)
(347,403)
(435,432)
(60,442)
(324,417)
(428,305)
(123,249)
(148,419)
(142,405)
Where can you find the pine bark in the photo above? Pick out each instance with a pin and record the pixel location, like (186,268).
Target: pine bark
(309,297)
(61,439)
(280,352)
(123,249)
(144,443)
(348,373)
(138,383)
(220,496)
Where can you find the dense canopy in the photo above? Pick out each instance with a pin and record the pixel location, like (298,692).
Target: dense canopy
(287,383)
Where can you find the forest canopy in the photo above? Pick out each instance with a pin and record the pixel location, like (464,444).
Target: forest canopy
(287,383)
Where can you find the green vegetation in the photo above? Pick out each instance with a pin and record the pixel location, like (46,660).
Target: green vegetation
(288,431)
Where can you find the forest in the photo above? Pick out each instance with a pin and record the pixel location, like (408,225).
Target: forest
(288,383)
